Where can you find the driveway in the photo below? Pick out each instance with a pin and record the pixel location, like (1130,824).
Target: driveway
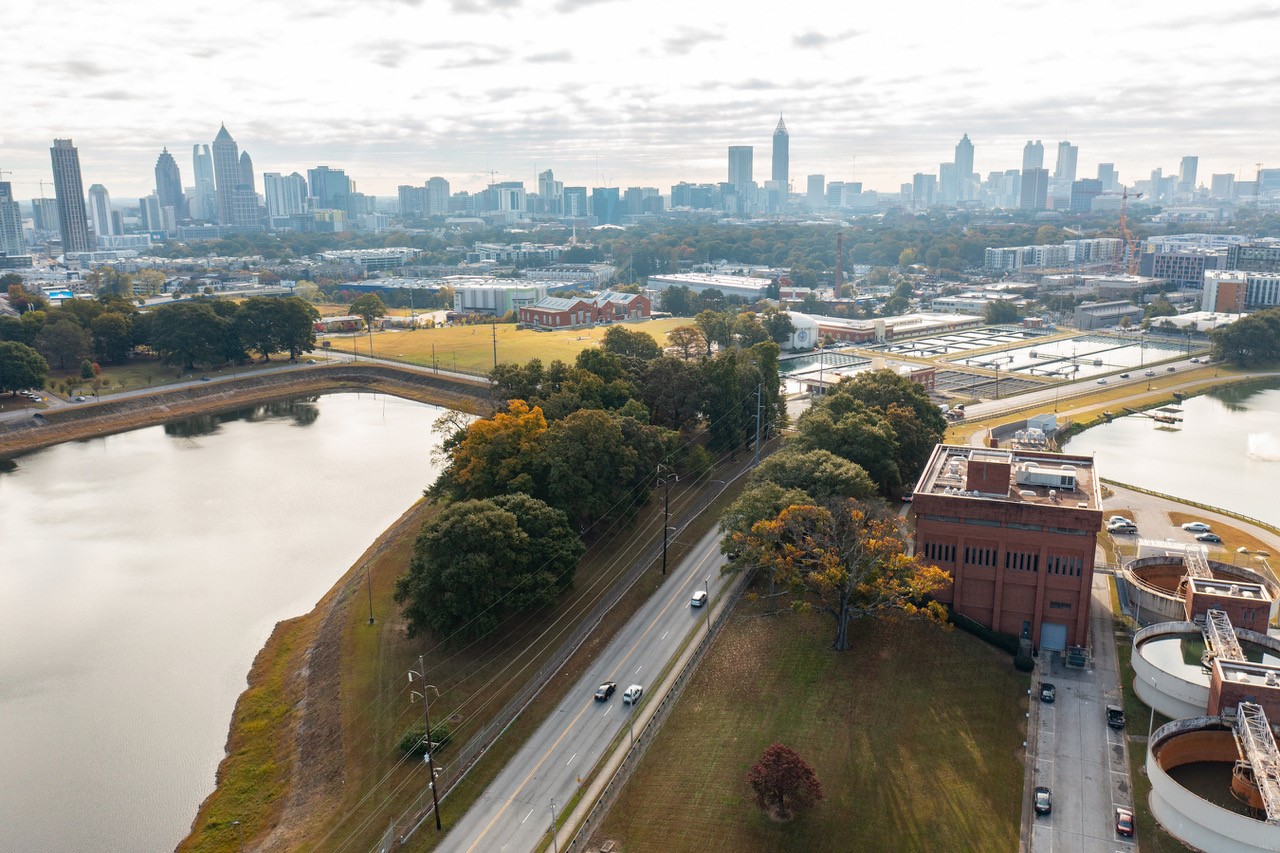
(1076,755)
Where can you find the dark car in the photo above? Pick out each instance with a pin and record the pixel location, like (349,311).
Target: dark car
(1208,537)
(1124,822)
(1043,800)
(1115,716)
(604,691)
(1048,692)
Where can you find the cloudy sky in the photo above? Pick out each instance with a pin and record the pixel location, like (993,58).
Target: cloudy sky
(624,92)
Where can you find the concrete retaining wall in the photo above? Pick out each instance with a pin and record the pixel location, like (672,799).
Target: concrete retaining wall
(1171,695)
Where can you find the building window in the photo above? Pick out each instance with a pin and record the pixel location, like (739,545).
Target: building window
(1059,605)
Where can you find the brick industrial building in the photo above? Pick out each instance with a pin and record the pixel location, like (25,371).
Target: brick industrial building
(576,311)
(1017,531)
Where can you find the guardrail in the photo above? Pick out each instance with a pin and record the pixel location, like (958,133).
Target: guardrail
(649,730)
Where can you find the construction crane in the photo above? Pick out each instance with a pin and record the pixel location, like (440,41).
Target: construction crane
(1130,242)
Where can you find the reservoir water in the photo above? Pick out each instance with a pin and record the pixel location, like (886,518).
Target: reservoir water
(1225,453)
(141,573)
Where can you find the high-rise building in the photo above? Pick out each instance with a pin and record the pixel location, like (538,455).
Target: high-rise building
(606,205)
(816,194)
(1035,189)
(1083,192)
(206,206)
(1187,174)
(329,187)
(1033,155)
(923,189)
(286,194)
(437,196)
(149,213)
(169,184)
(781,154)
(948,183)
(247,180)
(44,215)
(1066,167)
(575,201)
(1223,186)
(10,221)
(73,220)
(1107,174)
(964,168)
(740,160)
(226,171)
(100,211)
(550,192)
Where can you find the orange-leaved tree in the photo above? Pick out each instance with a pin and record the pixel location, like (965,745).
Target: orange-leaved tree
(499,455)
(847,559)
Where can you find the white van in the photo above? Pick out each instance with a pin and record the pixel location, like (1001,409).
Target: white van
(632,694)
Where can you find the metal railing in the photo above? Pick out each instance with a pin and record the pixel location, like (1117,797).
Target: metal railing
(1259,747)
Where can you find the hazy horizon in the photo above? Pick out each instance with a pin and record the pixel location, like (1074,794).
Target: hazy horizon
(618,93)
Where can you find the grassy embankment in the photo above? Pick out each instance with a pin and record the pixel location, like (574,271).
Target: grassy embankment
(475,681)
(470,348)
(915,734)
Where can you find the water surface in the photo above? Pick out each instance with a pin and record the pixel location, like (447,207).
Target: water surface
(142,572)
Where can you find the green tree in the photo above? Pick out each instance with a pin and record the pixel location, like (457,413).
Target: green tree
(149,282)
(369,307)
(779,326)
(480,560)
(589,467)
(1251,341)
(296,326)
(820,473)
(112,337)
(63,343)
(748,331)
(256,324)
(1000,311)
(856,432)
(21,367)
(716,328)
(688,340)
(189,332)
(678,301)
(624,342)
(109,280)
(784,783)
(673,391)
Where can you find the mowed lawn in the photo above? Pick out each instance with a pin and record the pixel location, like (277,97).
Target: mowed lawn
(915,734)
(470,348)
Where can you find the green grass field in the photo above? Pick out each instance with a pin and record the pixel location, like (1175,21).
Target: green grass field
(470,348)
(915,734)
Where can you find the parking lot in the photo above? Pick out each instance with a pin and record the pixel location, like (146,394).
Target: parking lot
(1081,760)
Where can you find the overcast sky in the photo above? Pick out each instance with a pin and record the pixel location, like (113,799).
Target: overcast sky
(623,92)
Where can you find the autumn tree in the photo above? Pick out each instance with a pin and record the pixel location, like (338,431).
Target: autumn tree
(687,340)
(847,560)
(784,783)
(499,454)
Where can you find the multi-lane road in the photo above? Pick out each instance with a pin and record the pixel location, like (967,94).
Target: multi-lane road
(514,814)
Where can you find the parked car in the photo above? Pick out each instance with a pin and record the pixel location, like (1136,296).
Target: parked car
(604,691)
(1119,519)
(1048,692)
(1115,716)
(908,498)
(1197,527)
(1209,537)
(1127,527)
(632,694)
(699,598)
(1043,800)
(1124,822)
(79,399)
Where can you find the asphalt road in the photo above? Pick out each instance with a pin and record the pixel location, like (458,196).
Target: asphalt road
(514,814)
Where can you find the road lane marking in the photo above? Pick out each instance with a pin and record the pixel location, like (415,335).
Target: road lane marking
(640,667)
(664,634)
(529,815)
(570,761)
(711,555)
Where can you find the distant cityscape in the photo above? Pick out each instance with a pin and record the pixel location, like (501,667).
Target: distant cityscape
(224,196)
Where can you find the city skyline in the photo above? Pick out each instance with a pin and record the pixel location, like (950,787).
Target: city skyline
(875,104)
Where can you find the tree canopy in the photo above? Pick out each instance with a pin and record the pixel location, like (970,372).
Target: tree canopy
(21,367)
(784,784)
(1251,341)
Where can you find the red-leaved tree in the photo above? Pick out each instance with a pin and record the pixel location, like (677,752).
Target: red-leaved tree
(784,783)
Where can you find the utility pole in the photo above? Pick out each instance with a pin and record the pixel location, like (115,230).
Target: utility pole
(759,391)
(368,574)
(495,343)
(708,589)
(555,843)
(426,718)
(666,503)
(434,366)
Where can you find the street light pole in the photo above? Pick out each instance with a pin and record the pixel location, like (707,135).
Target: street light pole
(666,505)
(368,574)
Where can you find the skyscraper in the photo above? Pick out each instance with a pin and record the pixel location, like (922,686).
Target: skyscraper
(575,200)
(606,205)
(817,191)
(286,194)
(73,221)
(781,154)
(44,215)
(549,192)
(740,161)
(100,211)
(1035,189)
(438,197)
(1066,166)
(247,180)
(1187,174)
(329,187)
(169,185)
(1107,174)
(206,193)
(10,221)
(964,168)
(1033,155)
(226,171)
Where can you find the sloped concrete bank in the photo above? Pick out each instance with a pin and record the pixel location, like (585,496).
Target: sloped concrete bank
(88,420)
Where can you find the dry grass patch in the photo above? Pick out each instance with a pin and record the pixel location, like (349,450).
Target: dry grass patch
(915,734)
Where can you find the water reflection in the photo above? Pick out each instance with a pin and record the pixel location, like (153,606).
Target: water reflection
(302,411)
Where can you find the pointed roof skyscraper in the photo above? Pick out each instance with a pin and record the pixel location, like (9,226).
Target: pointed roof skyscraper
(781,153)
(223,136)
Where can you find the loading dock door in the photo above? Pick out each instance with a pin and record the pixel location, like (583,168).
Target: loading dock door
(1053,637)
